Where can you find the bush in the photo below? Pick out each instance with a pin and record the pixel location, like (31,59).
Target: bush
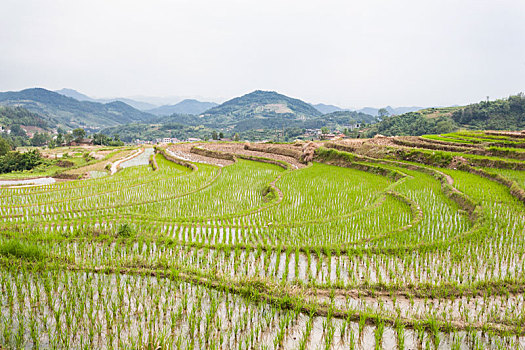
(19,250)
(125,230)
(16,161)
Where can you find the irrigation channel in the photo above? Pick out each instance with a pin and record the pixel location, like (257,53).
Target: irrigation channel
(168,252)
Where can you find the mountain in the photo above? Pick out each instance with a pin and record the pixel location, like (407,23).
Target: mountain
(140,105)
(75,94)
(349,117)
(188,106)
(391,110)
(259,110)
(68,112)
(321,107)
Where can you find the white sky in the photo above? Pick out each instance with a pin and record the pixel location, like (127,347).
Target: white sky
(349,53)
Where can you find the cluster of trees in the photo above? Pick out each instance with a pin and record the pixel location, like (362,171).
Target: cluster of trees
(413,124)
(15,161)
(217,135)
(105,140)
(504,114)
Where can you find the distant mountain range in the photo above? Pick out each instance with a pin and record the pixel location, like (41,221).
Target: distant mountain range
(325,109)
(321,107)
(69,112)
(391,110)
(267,110)
(140,105)
(258,110)
(188,106)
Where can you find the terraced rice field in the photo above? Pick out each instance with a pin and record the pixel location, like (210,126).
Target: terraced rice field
(349,252)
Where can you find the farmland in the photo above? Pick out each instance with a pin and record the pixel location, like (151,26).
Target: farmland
(414,242)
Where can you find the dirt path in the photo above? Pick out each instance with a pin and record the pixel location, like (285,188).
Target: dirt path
(238,148)
(183,151)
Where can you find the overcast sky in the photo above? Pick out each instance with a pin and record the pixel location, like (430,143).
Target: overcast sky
(349,53)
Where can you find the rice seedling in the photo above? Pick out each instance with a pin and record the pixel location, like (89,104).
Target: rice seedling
(183,257)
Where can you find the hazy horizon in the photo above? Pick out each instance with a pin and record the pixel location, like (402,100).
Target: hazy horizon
(349,54)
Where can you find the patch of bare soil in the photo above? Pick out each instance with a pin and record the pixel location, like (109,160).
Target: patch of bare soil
(238,148)
(183,151)
(457,161)
(381,140)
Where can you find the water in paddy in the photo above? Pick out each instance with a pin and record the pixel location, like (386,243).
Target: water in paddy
(38,181)
(141,159)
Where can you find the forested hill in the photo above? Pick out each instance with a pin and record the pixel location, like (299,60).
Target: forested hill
(503,114)
(71,113)
(10,116)
(263,104)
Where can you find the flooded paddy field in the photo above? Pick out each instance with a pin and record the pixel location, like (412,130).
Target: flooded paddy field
(247,254)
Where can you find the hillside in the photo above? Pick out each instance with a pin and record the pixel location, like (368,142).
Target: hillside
(503,114)
(259,110)
(323,108)
(188,106)
(20,116)
(75,94)
(349,117)
(71,113)
(140,105)
(390,110)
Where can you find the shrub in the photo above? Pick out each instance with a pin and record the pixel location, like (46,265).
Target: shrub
(125,230)
(19,250)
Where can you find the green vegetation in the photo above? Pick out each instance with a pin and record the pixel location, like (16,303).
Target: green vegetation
(58,110)
(16,161)
(504,114)
(349,250)
(412,123)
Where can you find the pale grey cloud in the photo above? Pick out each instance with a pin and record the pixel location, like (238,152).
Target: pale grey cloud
(351,53)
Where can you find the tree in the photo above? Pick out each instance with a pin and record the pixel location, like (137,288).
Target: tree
(79,134)
(214,135)
(100,139)
(39,139)
(68,137)
(16,130)
(16,161)
(236,137)
(221,135)
(324,130)
(59,139)
(383,112)
(5,147)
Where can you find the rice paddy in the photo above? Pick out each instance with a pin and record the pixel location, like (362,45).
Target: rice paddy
(349,252)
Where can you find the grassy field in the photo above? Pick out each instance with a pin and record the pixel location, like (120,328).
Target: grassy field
(373,253)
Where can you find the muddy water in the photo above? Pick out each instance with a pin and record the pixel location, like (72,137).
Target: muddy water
(38,182)
(141,159)
(282,266)
(143,302)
